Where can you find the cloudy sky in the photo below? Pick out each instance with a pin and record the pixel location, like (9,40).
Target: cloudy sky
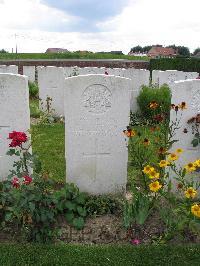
(98,25)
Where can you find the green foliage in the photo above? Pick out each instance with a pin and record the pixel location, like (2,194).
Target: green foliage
(34,208)
(71,203)
(35,112)
(100,205)
(196,51)
(182,50)
(137,209)
(33,89)
(69,55)
(161,95)
(182,64)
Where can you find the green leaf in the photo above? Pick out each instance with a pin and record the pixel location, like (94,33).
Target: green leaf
(81,211)
(195,142)
(78,223)
(70,206)
(69,217)
(11,152)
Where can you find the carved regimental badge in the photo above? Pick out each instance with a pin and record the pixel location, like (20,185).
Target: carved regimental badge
(97,99)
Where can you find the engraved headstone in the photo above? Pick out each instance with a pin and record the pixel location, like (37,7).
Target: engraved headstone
(139,78)
(51,81)
(187,91)
(14,114)
(97,111)
(169,76)
(9,69)
(29,71)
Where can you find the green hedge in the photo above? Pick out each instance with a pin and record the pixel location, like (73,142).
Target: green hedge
(104,255)
(183,64)
(73,55)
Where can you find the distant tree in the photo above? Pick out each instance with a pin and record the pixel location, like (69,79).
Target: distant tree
(197,50)
(137,49)
(2,51)
(147,48)
(182,50)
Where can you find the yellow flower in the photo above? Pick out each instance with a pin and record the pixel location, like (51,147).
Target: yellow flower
(173,157)
(195,209)
(179,150)
(155,186)
(190,167)
(197,163)
(190,193)
(163,163)
(147,169)
(153,174)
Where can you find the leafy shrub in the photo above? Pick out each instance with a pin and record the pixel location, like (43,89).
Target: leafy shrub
(100,205)
(160,95)
(33,89)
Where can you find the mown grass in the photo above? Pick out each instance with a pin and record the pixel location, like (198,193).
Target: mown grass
(48,143)
(75,55)
(98,255)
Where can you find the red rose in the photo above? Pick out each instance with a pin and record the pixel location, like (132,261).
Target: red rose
(15,182)
(17,138)
(27,180)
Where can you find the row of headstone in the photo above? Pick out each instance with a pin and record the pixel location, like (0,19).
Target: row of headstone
(14,115)
(96,108)
(169,76)
(51,80)
(9,69)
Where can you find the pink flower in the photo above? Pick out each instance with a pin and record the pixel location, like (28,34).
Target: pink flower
(135,241)
(27,180)
(15,182)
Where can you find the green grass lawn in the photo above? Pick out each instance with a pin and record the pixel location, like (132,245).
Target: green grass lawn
(48,143)
(98,255)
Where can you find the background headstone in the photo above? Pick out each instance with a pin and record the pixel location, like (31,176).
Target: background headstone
(169,76)
(29,71)
(9,69)
(50,82)
(97,111)
(14,114)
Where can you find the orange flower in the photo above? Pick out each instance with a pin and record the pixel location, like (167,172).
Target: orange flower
(153,105)
(146,142)
(161,150)
(182,106)
(129,133)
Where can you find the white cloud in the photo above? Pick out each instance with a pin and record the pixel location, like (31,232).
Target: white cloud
(141,22)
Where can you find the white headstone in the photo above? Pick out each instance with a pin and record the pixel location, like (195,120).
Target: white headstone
(169,76)
(51,81)
(29,71)
(187,91)
(14,114)
(9,69)
(97,111)
(139,78)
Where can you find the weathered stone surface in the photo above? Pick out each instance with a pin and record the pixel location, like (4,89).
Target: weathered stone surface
(29,71)
(51,82)
(169,76)
(14,114)
(186,91)
(96,112)
(9,69)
